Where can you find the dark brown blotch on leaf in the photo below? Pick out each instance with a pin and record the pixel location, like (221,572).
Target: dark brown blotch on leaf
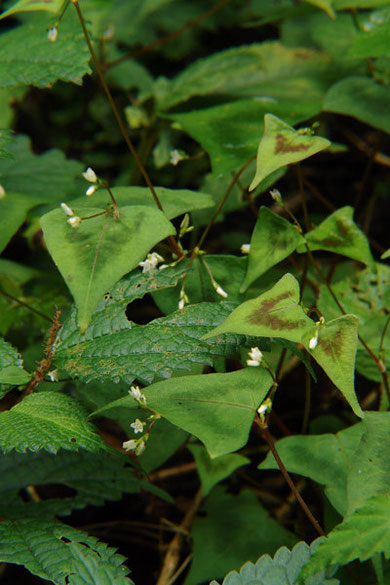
(263,314)
(283,146)
(332,346)
(341,238)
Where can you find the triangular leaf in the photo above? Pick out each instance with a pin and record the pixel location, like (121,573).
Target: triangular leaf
(47,420)
(273,239)
(115,348)
(275,313)
(218,408)
(101,250)
(33,5)
(336,353)
(60,554)
(339,233)
(283,569)
(282,145)
(361,535)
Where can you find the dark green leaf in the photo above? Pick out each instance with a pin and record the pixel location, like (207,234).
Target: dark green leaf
(233,530)
(32,5)
(11,367)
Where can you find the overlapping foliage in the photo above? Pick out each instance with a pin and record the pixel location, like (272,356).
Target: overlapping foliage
(171,320)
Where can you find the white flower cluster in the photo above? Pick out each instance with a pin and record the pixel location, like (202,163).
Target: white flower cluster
(90,176)
(150,263)
(183,300)
(276,196)
(137,445)
(136,393)
(74,220)
(245,248)
(255,356)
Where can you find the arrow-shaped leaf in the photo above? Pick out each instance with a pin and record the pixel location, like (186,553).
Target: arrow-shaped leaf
(217,408)
(282,145)
(273,239)
(336,352)
(275,313)
(101,250)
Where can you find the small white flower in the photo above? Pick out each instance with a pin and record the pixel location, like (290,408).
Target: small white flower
(74,221)
(276,195)
(245,248)
(90,175)
(150,263)
(163,266)
(130,445)
(255,357)
(219,290)
(140,448)
(181,304)
(67,209)
(135,392)
(91,190)
(53,375)
(138,426)
(313,342)
(175,157)
(263,408)
(52,34)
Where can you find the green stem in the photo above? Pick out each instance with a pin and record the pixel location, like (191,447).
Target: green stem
(23,304)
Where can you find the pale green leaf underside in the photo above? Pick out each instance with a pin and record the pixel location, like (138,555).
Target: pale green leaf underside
(174,201)
(11,366)
(363,534)
(101,250)
(282,145)
(50,421)
(339,233)
(29,58)
(273,239)
(282,569)
(275,313)
(116,348)
(33,5)
(336,354)
(60,554)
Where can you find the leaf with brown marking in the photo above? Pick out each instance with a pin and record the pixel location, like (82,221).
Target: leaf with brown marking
(340,234)
(336,353)
(282,145)
(273,239)
(275,313)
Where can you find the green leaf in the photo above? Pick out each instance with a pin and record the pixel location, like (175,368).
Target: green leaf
(47,420)
(5,139)
(275,313)
(118,349)
(360,97)
(212,471)
(32,5)
(362,534)
(100,251)
(28,57)
(273,239)
(92,479)
(372,40)
(326,459)
(60,554)
(369,473)
(339,233)
(283,569)
(336,353)
(282,145)
(11,366)
(233,529)
(229,133)
(174,201)
(218,408)
(325,5)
